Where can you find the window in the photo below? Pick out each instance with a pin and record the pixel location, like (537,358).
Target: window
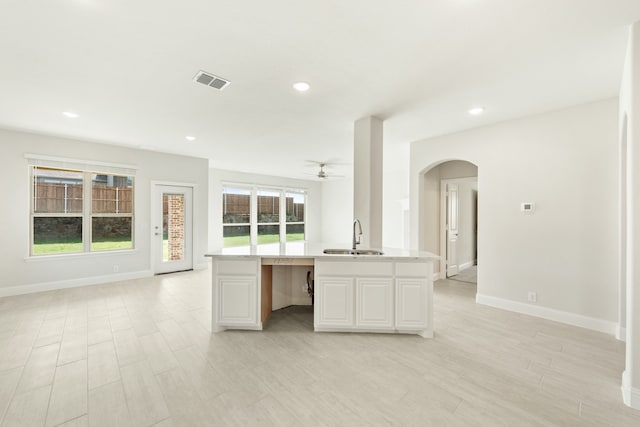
(262,216)
(236,217)
(295,216)
(268,216)
(57,211)
(77,211)
(111,212)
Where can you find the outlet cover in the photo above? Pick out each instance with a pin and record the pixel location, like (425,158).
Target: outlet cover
(528,207)
(532,297)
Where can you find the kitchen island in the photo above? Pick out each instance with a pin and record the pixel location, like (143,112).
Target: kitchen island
(388,293)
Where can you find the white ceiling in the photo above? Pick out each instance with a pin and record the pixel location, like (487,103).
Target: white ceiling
(126,68)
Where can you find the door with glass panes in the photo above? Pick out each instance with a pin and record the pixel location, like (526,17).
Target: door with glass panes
(172,228)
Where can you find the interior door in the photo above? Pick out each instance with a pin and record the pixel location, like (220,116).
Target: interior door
(452,229)
(172,234)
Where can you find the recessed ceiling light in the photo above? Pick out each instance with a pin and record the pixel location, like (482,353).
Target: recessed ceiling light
(190,138)
(70,114)
(476,111)
(301,86)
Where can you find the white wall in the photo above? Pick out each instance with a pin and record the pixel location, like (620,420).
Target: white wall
(289,285)
(565,162)
(337,212)
(23,274)
(337,203)
(395,195)
(313,209)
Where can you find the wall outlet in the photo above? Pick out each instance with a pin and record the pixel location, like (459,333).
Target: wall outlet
(116,268)
(532,297)
(528,207)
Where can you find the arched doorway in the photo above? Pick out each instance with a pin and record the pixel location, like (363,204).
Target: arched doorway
(448,218)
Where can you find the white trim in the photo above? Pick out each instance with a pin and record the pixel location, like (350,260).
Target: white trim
(466,265)
(84,165)
(573,319)
(436,276)
(79,255)
(621,333)
(252,184)
(201,265)
(194,227)
(72,283)
(630,395)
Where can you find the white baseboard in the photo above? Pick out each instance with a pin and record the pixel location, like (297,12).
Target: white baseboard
(72,283)
(466,265)
(201,266)
(574,319)
(621,333)
(436,276)
(630,395)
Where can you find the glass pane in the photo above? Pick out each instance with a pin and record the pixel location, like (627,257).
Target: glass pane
(295,207)
(295,232)
(236,206)
(173,218)
(268,206)
(111,194)
(57,191)
(55,235)
(111,233)
(236,235)
(268,234)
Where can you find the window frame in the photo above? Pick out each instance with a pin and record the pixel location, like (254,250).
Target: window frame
(254,190)
(87,214)
(93,215)
(304,222)
(267,189)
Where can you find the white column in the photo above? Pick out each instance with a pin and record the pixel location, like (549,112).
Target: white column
(367,179)
(630,107)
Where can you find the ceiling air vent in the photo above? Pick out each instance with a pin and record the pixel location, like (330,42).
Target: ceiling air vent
(209,79)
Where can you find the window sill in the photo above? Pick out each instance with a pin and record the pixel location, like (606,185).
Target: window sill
(79,255)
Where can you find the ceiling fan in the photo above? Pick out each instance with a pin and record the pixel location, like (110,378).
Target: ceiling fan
(322,173)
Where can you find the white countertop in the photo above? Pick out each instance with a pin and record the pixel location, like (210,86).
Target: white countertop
(314,250)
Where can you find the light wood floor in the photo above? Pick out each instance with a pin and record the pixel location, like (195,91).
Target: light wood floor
(140,353)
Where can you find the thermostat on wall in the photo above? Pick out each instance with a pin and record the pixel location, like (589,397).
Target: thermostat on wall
(528,207)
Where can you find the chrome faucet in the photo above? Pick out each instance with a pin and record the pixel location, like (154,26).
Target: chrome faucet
(356,241)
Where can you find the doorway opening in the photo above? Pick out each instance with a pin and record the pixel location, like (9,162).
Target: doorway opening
(449,219)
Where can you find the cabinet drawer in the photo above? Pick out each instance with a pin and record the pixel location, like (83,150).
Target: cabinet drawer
(412,269)
(354,268)
(237,266)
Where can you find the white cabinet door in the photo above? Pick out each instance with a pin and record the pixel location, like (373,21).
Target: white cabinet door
(411,304)
(374,303)
(237,300)
(334,301)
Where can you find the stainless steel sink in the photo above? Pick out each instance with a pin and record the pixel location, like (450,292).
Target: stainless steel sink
(369,252)
(339,252)
(352,252)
